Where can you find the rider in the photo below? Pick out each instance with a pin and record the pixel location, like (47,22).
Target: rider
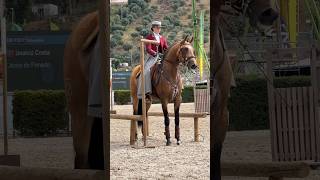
(153,51)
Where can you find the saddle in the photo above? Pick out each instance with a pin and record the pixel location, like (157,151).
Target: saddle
(159,61)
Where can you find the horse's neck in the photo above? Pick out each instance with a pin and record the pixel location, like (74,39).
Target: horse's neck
(171,62)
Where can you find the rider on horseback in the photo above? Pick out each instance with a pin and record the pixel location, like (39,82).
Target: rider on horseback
(153,54)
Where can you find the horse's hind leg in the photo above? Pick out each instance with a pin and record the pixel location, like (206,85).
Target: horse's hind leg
(166,122)
(177,103)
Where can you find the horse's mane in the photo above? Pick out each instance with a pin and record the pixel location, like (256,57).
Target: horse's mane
(165,54)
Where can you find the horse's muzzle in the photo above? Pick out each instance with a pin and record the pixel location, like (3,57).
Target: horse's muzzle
(194,66)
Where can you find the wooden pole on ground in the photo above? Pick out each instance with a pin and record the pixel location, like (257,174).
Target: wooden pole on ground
(104,29)
(273,170)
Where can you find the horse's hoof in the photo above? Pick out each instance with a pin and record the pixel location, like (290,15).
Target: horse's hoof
(168,143)
(178,142)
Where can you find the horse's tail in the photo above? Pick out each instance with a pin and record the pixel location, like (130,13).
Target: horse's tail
(136,103)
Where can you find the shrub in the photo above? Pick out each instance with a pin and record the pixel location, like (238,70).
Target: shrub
(39,113)
(144,32)
(125,21)
(117,32)
(130,18)
(139,28)
(127,47)
(248,105)
(134,34)
(122,96)
(117,27)
(113,42)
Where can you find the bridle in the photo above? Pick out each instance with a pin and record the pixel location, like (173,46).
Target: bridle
(162,73)
(181,59)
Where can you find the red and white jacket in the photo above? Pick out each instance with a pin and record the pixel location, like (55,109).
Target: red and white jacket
(152,48)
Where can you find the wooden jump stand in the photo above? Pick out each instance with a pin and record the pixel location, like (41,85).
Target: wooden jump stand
(144,117)
(142,85)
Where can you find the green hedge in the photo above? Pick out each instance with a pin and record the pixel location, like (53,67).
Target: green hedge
(248,105)
(39,113)
(123,96)
(43,113)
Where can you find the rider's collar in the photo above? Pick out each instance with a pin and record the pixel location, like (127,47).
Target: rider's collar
(155,34)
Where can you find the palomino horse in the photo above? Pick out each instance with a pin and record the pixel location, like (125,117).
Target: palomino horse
(261,15)
(166,83)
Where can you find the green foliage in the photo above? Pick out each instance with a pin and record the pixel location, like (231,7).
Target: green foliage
(118,32)
(147,18)
(130,18)
(139,28)
(175,4)
(127,47)
(154,8)
(117,27)
(117,37)
(188,31)
(187,94)
(123,12)
(144,32)
(248,105)
(134,34)
(39,113)
(125,21)
(122,96)
(136,9)
(113,42)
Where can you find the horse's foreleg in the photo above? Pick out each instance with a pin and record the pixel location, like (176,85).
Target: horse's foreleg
(166,122)
(177,103)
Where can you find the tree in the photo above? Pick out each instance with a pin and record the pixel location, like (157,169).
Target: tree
(113,42)
(125,21)
(136,9)
(130,18)
(134,34)
(127,47)
(144,32)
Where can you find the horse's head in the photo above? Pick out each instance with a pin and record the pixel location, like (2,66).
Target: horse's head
(186,53)
(261,13)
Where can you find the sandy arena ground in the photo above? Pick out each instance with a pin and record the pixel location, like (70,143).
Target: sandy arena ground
(190,160)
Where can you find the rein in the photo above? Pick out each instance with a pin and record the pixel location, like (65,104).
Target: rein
(162,73)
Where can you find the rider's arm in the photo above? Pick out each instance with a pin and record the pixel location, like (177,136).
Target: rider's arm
(149,47)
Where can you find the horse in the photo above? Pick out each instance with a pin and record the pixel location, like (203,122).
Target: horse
(261,15)
(86,130)
(166,83)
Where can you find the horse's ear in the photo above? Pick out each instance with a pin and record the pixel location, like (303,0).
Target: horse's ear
(190,40)
(185,39)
